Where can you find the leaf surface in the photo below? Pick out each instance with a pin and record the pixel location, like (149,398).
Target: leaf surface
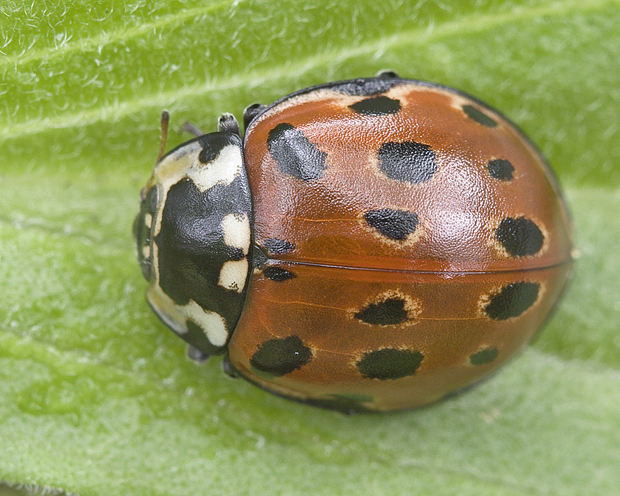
(97,398)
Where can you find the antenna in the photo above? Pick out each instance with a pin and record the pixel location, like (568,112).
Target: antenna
(165,120)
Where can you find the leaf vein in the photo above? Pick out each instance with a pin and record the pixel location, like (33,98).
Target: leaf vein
(418,35)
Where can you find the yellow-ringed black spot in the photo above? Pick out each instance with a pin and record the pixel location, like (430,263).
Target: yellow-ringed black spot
(294,154)
(389,363)
(277,274)
(512,300)
(277,246)
(520,237)
(408,161)
(394,224)
(478,116)
(389,312)
(280,356)
(483,356)
(377,105)
(500,169)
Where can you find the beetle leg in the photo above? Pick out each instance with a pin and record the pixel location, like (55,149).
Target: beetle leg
(387,74)
(227,123)
(251,112)
(228,369)
(192,128)
(196,355)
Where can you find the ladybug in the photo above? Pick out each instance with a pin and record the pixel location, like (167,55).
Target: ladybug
(368,245)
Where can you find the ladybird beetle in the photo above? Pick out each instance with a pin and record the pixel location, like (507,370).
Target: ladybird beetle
(368,245)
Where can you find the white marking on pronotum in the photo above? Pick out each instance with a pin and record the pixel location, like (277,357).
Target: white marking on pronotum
(211,323)
(224,169)
(236,228)
(233,275)
(184,163)
(175,316)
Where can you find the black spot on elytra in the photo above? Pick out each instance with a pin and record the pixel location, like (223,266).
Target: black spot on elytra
(389,312)
(212,144)
(478,116)
(280,356)
(366,87)
(394,224)
(277,274)
(389,363)
(512,300)
(501,169)
(408,161)
(277,246)
(484,356)
(376,105)
(294,154)
(520,237)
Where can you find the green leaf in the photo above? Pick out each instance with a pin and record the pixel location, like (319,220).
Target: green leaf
(97,398)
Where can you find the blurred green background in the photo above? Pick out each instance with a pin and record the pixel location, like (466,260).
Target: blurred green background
(97,398)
